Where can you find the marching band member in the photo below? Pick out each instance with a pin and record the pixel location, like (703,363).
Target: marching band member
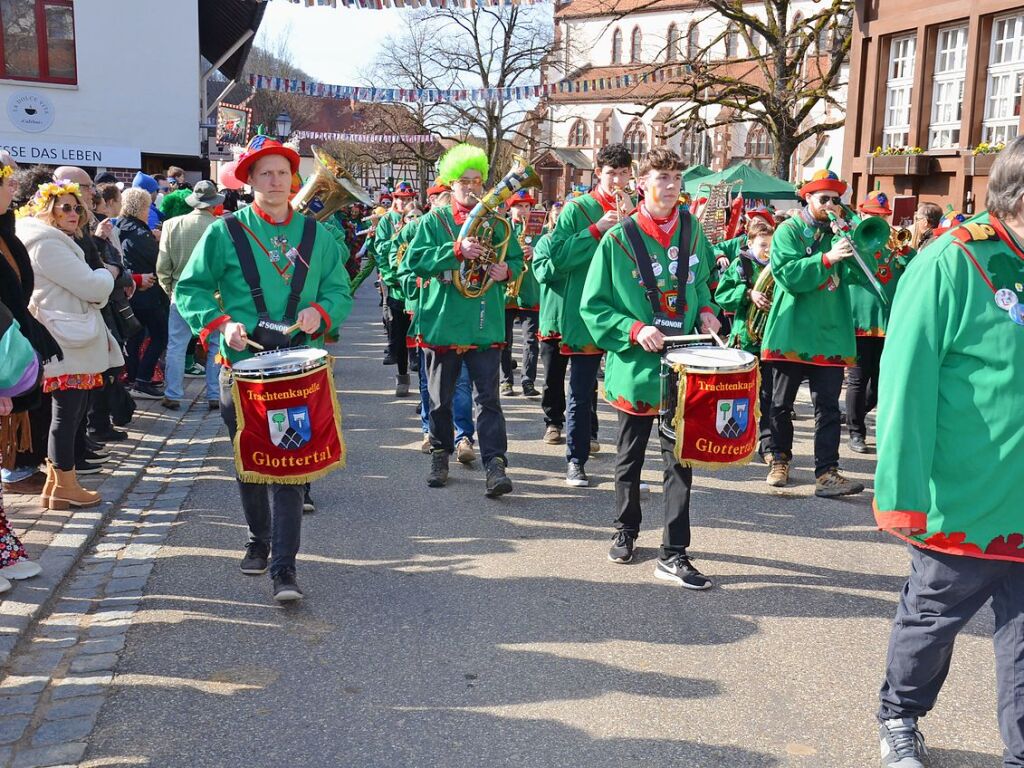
(563,265)
(617,303)
(809,332)
(396,322)
(455,331)
(272,245)
(950,460)
(870,319)
(524,306)
(735,294)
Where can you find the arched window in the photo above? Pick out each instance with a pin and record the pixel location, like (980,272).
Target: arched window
(796,32)
(672,43)
(759,143)
(617,46)
(693,41)
(732,41)
(579,136)
(691,146)
(634,46)
(756,43)
(635,138)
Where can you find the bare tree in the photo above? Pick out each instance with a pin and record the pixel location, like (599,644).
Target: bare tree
(792,67)
(272,57)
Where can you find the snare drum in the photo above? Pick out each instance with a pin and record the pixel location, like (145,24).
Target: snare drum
(710,405)
(289,420)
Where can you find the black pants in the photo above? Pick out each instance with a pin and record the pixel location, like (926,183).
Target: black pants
(826,383)
(397,324)
(634,434)
(552,400)
(862,385)
(69,407)
(153,316)
(764,426)
(528,321)
(443,370)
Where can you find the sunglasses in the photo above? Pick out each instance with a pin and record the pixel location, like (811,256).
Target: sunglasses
(68,208)
(826,199)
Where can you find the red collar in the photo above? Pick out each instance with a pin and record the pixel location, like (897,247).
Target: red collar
(1005,236)
(459,212)
(661,230)
(269,219)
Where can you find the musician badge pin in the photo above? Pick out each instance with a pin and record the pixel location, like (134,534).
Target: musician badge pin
(289,427)
(1006,299)
(673,254)
(732,417)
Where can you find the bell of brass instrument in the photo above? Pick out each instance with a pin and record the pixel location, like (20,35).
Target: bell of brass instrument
(328,189)
(756,318)
(899,238)
(472,280)
(868,235)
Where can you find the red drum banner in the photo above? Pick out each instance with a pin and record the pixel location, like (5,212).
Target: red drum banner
(716,419)
(289,428)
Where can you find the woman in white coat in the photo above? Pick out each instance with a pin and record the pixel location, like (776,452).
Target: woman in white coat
(67,299)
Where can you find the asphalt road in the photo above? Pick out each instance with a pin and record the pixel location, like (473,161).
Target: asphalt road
(445,629)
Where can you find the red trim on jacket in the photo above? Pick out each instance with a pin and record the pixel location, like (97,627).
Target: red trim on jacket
(323,313)
(638,326)
(212,326)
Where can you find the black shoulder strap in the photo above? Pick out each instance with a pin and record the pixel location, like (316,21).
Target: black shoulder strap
(247,261)
(643,262)
(746,270)
(683,270)
(301,268)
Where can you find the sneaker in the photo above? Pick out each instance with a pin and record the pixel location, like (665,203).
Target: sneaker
(389,359)
(213,405)
(169,404)
(85,467)
(622,547)
(902,744)
(595,447)
(95,458)
(679,569)
(553,435)
(833,484)
(576,476)
(144,390)
(438,476)
(529,390)
(506,389)
(109,435)
(857,444)
(778,473)
(464,451)
(425,446)
(498,483)
(307,503)
(95,446)
(255,561)
(23,569)
(286,589)
(195,371)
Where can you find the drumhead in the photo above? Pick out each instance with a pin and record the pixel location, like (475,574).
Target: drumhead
(281,361)
(709,358)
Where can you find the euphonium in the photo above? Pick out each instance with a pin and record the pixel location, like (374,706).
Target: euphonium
(472,280)
(328,189)
(756,318)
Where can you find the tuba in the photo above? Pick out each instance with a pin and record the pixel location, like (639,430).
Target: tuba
(472,280)
(756,318)
(328,189)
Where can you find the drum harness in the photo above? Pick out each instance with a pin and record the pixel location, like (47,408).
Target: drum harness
(665,324)
(268,332)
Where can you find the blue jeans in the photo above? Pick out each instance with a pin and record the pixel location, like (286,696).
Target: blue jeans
(462,405)
(178,337)
(582,379)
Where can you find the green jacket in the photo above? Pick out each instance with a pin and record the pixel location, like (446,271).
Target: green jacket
(529,291)
(387,260)
(446,319)
(732,295)
(551,288)
(214,268)
(615,306)
(730,248)
(372,256)
(811,320)
(951,392)
(870,313)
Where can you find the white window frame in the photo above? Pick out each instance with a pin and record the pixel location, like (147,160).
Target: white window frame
(899,87)
(1005,81)
(948,87)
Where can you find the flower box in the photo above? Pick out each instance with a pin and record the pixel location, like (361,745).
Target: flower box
(899,165)
(979,165)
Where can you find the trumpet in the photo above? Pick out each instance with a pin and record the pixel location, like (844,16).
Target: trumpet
(899,239)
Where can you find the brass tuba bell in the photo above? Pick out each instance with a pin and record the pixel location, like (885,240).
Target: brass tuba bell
(328,189)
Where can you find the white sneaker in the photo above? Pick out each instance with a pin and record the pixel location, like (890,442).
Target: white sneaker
(4,585)
(23,569)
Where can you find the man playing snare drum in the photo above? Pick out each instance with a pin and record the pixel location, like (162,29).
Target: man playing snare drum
(618,307)
(273,511)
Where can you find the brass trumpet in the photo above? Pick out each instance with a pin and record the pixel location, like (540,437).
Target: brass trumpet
(899,239)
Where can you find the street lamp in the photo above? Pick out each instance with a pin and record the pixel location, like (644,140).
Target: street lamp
(284,125)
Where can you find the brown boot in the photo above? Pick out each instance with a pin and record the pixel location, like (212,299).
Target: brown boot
(68,493)
(51,480)
(778,474)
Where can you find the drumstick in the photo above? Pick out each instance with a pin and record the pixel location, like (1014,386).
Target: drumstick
(292,329)
(255,345)
(717,338)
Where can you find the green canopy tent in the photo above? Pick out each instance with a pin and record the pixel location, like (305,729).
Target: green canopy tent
(753,184)
(695,172)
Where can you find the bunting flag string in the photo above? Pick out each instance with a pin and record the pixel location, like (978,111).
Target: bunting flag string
(475,95)
(363,138)
(377,5)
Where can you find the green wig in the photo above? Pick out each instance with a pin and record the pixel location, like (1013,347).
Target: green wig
(459,159)
(173,203)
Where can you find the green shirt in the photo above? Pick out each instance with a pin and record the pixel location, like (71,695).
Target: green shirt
(446,319)
(951,394)
(214,268)
(615,305)
(870,313)
(529,291)
(732,296)
(551,288)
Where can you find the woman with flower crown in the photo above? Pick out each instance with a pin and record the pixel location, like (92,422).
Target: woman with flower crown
(67,300)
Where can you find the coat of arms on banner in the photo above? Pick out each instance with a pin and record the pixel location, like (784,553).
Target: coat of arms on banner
(289,427)
(732,417)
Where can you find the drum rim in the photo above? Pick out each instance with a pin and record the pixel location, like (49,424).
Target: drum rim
(731,368)
(316,358)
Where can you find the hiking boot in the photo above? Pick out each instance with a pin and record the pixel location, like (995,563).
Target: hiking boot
(576,476)
(857,444)
(464,451)
(255,560)
(425,446)
(68,493)
(286,588)
(506,389)
(30,486)
(622,547)
(498,483)
(680,570)
(145,390)
(778,473)
(438,476)
(529,390)
(553,435)
(402,385)
(834,484)
(171,405)
(902,744)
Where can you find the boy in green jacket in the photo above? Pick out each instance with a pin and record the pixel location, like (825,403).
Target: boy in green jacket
(618,310)
(525,305)
(951,459)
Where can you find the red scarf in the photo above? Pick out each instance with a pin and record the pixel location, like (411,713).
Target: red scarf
(269,219)
(460,212)
(607,202)
(661,230)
